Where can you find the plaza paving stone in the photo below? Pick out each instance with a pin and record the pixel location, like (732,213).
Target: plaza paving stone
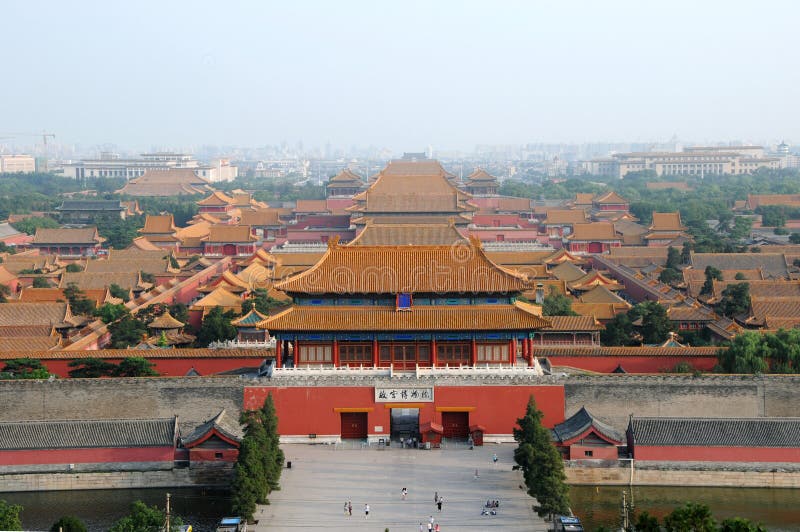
(324,477)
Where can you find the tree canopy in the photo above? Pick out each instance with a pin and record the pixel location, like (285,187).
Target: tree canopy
(9,516)
(216,327)
(68,523)
(260,461)
(24,368)
(556,304)
(145,518)
(541,463)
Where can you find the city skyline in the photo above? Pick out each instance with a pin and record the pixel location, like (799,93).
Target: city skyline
(449,75)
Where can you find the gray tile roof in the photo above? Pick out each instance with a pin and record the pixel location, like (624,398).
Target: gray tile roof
(725,432)
(6,230)
(773,264)
(83,434)
(579,422)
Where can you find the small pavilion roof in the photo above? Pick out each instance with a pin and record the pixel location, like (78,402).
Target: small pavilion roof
(165,321)
(609,198)
(480,177)
(216,198)
(251,319)
(221,424)
(593,279)
(582,421)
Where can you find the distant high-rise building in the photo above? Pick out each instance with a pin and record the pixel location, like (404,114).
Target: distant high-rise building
(12,164)
(111,165)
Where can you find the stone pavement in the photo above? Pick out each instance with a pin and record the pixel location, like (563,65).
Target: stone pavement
(324,477)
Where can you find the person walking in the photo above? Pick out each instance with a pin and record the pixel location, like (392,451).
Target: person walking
(430,527)
(439,504)
(366,511)
(350,508)
(435,497)
(403,493)
(494,458)
(421,527)
(345,507)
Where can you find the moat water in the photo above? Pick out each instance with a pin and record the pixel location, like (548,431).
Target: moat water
(99,509)
(776,509)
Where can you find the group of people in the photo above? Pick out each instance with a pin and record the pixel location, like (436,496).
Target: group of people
(490,508)
(433,526)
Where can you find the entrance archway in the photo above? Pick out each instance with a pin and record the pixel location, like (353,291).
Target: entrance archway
(404,423)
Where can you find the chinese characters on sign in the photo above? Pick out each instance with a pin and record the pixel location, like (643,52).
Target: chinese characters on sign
(404,395)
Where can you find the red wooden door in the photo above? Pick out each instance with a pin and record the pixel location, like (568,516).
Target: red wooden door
(455,424)
(595,247)
(229,249)
(354,425)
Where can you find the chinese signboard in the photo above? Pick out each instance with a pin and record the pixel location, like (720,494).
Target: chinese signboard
(404,395)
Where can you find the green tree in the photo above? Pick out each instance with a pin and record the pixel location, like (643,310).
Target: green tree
(68,523)
(5,291)
(260,462)
(117,291)
(737,524)
(556,304)
(772,215)
(145,518)
(746,354)
(669,275)
(262,302)
(618,331)
(735,300)
(794,238)
(41,282)
(78,302)
(24,368)
(91,368)
(541,463)
(9,516)
(74,268)
(686,253)
(216,327)
(29,225)
(126,332)
(673,258)
(646,523)
(712,274)
(111,312)
(119,233)
(273,455)
(691,517)
(655,325)
(135,367)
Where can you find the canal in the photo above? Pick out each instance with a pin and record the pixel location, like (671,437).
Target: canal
(99,509)
(776,509)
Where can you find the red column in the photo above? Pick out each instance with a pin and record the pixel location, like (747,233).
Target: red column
(335,353)
(296,352)
(374,353)
(433,353)
(473,352)
(530,352)
(278,344)
(512,351)
(525,352)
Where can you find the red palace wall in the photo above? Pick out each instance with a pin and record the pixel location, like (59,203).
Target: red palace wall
(717,454)
(210,455)
(599,452)
(633,364)
(87,456)
(316,410)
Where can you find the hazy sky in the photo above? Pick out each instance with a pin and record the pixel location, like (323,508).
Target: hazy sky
(399,74)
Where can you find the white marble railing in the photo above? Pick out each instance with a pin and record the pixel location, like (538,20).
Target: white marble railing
(243,344)
(455,371)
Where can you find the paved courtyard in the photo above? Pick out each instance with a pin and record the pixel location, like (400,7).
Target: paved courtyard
(323,478)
